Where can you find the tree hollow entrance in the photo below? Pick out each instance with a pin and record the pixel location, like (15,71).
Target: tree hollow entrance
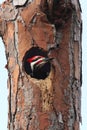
(40,73)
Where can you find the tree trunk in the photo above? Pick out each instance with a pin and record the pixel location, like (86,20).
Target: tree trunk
(53,28)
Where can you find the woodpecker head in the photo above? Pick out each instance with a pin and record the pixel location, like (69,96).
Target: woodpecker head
(37,62)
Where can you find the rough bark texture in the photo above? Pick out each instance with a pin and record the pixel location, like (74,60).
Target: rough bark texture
(55,26)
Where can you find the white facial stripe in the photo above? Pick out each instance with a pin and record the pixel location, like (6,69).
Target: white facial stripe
(35,62)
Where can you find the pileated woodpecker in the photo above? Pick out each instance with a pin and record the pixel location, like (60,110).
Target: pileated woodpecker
(38,62)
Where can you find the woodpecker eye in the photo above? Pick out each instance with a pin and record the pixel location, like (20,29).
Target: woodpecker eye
(36,63)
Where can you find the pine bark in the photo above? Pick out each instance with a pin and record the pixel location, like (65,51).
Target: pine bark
(53,103)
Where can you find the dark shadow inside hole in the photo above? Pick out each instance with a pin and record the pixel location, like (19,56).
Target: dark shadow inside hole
(41,73)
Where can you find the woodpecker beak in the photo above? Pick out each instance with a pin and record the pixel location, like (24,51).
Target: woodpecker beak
(44,61)
(48,59)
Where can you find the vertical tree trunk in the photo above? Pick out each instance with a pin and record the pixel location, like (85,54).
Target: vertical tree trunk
(53,102)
